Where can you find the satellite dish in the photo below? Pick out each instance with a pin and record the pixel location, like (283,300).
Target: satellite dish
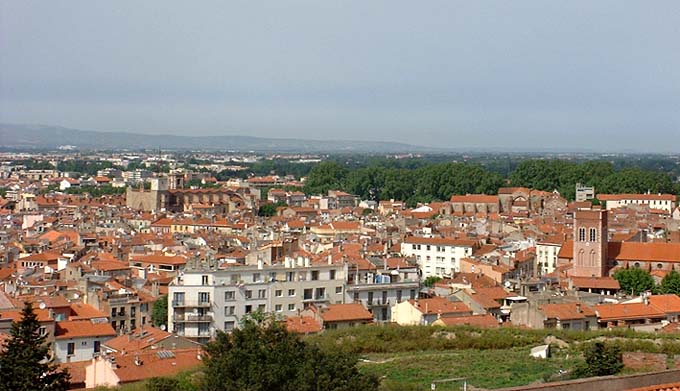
(42,306)
(163,327)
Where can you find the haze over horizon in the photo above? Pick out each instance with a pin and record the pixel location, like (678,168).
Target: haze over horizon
(529,75)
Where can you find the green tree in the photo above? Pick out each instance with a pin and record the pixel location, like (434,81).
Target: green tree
(670,283)
(162,384)
(325,176)
(267,210)
(431,280)
(159,312)
(24,363)
(600,360)
(262,355)
(634,281)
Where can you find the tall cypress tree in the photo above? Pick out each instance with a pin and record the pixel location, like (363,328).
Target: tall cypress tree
(24,362)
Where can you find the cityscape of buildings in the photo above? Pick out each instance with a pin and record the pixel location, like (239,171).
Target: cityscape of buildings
(95,265)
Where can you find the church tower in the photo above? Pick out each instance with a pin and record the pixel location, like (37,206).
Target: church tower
(590,243)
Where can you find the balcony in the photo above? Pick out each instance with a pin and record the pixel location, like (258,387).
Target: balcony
(375,303)
(316,298)
(192,318)
(190,304)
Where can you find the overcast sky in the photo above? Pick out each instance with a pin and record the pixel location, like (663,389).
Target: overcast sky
(603,75)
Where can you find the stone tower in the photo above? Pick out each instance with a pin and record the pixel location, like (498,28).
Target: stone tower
(590,243)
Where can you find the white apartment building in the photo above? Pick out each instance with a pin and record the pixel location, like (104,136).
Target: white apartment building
(546,255)
(665,202)
(438,256)
(203,301)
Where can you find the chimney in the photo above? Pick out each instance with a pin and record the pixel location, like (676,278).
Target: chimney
(578,308)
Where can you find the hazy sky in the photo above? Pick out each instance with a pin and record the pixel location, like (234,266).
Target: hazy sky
(461,74)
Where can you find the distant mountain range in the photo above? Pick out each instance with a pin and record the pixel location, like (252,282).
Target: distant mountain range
(51,137)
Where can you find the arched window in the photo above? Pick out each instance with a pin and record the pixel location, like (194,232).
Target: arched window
(581,234)
(593,260)
(593,234)
(580,260)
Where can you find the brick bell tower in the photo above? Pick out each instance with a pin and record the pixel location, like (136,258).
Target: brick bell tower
(590,243)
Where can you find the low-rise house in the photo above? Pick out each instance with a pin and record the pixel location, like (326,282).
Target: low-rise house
(338,316)
(79,340)
(113,370)
(575,316)
(426,311)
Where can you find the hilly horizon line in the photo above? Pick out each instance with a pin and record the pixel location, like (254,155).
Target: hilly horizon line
(41,136)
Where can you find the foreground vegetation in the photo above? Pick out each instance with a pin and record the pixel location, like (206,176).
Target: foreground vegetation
(410,358)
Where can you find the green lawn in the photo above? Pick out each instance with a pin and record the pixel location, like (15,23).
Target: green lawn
(482,368)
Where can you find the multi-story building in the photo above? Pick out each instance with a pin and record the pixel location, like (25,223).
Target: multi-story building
(438,256)
(664,202)
(203,301)
(584,193)
(546,254)
(393,283)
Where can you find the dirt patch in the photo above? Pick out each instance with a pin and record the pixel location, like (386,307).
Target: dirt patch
(645,361)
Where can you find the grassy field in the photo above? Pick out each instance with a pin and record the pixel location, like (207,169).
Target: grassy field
(409,358)
(481,368)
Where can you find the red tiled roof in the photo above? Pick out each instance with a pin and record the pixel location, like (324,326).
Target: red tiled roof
(82,328)
(567,311)
(440,305)
(345,313)
(302,325)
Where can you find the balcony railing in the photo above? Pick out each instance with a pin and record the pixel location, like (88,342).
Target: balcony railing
(185,303)
(192,318)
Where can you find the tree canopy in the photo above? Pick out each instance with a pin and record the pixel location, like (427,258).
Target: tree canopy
(24,360)
(634,281)
(670,284)
(159,312)
(600,360)
(262,355)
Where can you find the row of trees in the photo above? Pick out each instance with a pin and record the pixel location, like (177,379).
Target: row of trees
(635,281)
(438,181)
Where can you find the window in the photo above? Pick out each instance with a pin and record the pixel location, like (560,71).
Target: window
(249,309)
(592,233)
(307,294)
(97,346)
(204,280)
(229,326)
(315,275)
(581,234)
(637,265)
(83,343)
(203,297)
(331,275)
(370,298)
(278,308)
(261,308)
(43,330)
(290,276)
(291,307)
(248,294)
(278,293)
(659,266)
(71,349)
(235,278)
(320,293)
(229,296)
(256,277)
(413,247)
(133,311)
(291,292)
(428,247)
(262,294)
(229,310)
(113,311)
(413,294)
(338,289)
(399,295)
